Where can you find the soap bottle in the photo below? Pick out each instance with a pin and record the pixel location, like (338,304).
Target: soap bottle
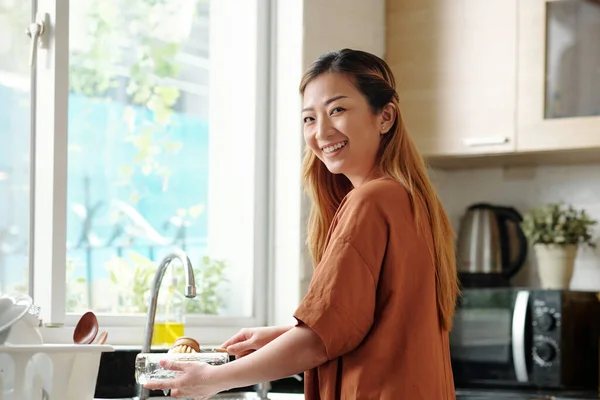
(170,314)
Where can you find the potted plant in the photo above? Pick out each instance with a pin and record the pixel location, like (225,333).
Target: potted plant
(555,231)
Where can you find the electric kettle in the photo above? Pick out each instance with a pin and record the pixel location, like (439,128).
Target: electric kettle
(491,246)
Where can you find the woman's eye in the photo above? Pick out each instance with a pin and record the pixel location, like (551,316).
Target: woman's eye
(337,110)
(308,119)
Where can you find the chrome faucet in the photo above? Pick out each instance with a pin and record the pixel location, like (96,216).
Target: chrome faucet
(263,388)
(190,292)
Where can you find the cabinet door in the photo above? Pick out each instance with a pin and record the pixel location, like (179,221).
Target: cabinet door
(455,66)
(559,75)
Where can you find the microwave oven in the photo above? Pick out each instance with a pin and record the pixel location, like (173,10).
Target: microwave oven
(526,338)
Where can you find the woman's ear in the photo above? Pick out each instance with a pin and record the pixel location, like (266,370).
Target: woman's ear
(387,117)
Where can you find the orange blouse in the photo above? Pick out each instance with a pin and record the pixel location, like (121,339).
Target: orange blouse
(372,300)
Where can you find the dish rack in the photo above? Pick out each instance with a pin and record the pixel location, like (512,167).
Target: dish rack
(50,371)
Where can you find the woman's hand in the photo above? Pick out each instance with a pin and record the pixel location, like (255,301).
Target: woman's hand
(249,340)
(194,381)
(296,350)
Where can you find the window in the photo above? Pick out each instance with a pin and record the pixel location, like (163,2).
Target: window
(167,140)
(15,140)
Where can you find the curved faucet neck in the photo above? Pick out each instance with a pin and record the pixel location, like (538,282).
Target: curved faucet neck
(190,292)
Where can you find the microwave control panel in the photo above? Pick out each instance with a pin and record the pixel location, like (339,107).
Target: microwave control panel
(546,332)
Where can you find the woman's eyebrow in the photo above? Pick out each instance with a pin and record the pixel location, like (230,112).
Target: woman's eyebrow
(326,102)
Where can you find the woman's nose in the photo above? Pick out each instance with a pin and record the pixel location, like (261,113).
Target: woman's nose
(324,129)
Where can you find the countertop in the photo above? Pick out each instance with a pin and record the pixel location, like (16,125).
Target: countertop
(514,394)
(272,396)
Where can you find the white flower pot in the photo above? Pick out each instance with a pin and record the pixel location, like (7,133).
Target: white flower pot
(555,264)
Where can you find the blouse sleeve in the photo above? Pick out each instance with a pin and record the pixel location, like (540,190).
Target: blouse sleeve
(340,303)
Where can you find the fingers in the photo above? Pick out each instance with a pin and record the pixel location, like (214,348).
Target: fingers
(241,349)
(173,365)
(168,384)
(243,354)
(161,385)
(238,337)
(228,342)
(178,393)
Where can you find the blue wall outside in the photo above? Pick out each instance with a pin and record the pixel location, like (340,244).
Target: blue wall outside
(98,149)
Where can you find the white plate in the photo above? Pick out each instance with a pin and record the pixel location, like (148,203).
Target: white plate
(12,309)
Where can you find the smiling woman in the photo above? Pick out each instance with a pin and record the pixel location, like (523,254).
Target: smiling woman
(376,319)
(377,228)
(339,128)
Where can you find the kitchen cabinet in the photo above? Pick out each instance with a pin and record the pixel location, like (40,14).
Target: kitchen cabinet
(515,79)
(455,66)
(558,75)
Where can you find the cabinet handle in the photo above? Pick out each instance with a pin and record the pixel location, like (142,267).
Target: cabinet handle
(485,141)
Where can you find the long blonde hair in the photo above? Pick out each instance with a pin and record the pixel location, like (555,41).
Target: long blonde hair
(397,157)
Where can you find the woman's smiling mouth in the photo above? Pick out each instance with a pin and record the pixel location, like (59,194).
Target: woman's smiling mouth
(334,148)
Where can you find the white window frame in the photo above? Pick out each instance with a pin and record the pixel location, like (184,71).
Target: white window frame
(49,190)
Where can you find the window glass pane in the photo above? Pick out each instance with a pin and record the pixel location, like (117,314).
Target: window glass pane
(15,137)
(572,59)
(139,162)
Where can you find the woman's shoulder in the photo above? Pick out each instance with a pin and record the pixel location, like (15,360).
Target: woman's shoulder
(381,192)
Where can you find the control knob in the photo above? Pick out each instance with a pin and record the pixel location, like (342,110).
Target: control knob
(546,321)
(545,351)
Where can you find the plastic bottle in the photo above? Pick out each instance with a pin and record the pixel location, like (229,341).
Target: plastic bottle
(170,323)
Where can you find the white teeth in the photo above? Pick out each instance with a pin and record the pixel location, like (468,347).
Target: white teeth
(331,149)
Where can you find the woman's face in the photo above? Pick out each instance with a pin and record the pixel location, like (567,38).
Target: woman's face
(341,129)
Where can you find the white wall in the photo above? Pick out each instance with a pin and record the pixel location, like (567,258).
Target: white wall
(524,188)
(286,145)
(335,24)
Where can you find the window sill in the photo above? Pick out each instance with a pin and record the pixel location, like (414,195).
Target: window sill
(124,338)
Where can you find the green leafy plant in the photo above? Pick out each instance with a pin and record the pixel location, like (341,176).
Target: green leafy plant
(210,277)
(133,277)
(559,224)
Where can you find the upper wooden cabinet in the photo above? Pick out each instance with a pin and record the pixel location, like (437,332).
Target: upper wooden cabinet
(455,66)
(558,103)
(479,77)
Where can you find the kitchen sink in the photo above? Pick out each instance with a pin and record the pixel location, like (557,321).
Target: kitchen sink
(499,395)
(235,396)
(253,396)
(493,397)
(116,380)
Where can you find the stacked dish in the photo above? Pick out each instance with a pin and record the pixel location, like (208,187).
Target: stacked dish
(17,313)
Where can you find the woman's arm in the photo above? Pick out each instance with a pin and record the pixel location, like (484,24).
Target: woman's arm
(297,350)
(249,340)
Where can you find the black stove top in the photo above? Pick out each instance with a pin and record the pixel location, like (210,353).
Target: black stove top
(516,394)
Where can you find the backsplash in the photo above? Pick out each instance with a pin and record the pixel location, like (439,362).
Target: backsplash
(524,188)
